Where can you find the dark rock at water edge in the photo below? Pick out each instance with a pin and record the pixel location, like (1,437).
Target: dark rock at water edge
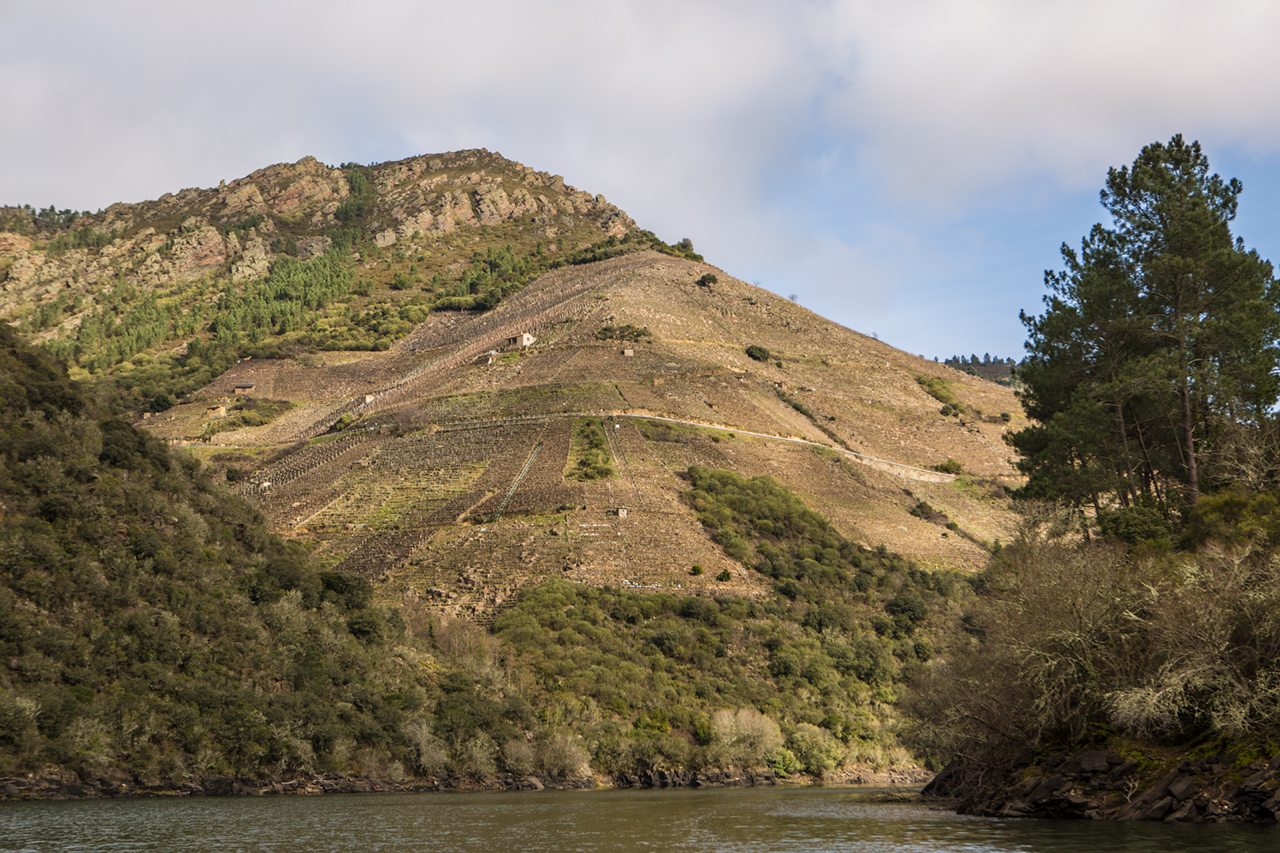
(1103,785)
(68,786)
(691,779)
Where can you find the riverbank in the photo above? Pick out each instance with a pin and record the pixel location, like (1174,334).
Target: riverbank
(58,785)
(1098,784)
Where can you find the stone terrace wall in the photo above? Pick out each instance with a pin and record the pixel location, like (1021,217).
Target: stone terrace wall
(502,448)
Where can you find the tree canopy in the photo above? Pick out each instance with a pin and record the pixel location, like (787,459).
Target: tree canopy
(1157,345)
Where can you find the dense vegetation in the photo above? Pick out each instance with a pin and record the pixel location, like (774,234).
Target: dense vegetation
(156,346)
(805,680)
(301,304)
(592,459)
(1141,607)
(153,626)
(1075,642)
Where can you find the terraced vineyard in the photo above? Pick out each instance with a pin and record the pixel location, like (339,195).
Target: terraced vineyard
(447,479)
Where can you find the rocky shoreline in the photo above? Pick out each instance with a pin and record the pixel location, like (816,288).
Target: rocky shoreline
(68,786)
(57,785)
(1097,784)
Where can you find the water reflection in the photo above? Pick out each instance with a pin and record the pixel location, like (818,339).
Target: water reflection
(735,821)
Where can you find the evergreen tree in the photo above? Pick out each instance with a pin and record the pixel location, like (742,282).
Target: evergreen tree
(1157,335)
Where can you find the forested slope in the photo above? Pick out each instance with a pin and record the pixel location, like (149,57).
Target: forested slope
(149,622)
(156,634)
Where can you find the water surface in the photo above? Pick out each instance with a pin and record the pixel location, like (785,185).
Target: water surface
(740,821)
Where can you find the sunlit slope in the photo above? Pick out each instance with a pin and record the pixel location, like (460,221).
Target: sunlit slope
(451,475)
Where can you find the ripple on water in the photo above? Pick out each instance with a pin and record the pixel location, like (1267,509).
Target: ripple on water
(733,821)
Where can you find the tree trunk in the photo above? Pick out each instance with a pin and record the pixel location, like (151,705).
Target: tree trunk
(1188,426)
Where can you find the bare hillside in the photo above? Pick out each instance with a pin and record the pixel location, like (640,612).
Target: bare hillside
(450,475)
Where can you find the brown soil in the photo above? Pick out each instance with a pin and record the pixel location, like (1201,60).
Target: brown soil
(457,498)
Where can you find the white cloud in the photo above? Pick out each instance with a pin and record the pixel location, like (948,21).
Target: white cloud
(953,98)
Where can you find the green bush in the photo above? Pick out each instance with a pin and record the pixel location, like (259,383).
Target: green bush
(1136,525)
(783,762)
(591,448)
(1235,518)
(940,390)
(626,332)
(758,353)
(950,466)
(815,749)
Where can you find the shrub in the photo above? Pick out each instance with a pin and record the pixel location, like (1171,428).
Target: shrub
(627,332)
(907,609)
(685,248)
(1135,525)
(591,445)
(518,757)
(950,466)
(940,390)
(1234,518)
(475,757)
(560,754)
(747,735)
(924,510)
(783,762)
(758,353)
(815,749)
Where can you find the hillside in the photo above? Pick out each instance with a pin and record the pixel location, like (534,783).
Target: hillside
(410,442)
(450,429)
(153,629)
(291,259)
(685,523)
(159,640)
(297,210)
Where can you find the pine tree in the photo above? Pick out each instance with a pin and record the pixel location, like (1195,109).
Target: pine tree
(1156,336)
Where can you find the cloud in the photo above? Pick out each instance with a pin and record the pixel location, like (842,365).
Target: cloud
(946,102)
(954,99)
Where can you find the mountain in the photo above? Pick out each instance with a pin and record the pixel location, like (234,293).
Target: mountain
(160,640)
(238,229)
(292,258)
(441,457)
(699,525)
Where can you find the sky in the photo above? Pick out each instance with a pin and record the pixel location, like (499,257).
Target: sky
(907,168)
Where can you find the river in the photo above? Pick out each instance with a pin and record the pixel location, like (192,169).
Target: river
(811,820)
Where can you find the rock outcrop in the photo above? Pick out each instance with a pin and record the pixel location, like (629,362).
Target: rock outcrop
(239,228)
